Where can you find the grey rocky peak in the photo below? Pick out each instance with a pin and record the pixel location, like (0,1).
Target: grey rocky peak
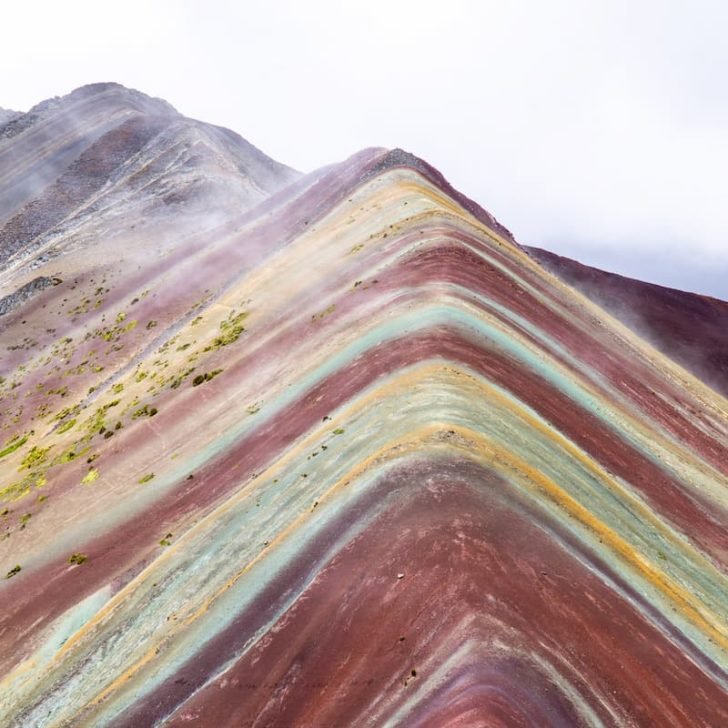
(108,165)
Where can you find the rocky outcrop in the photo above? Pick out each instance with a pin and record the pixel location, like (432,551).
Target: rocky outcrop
(26,292)
(6,116)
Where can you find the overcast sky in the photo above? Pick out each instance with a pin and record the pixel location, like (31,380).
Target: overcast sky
(595,128)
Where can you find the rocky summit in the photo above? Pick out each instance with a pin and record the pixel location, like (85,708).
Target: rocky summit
(333,449)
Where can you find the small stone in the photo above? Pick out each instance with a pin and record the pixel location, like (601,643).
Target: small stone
(400,576)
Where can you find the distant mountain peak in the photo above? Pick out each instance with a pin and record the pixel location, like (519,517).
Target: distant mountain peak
(113,95)
(104,149)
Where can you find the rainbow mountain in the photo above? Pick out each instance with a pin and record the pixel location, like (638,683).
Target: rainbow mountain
(335,450)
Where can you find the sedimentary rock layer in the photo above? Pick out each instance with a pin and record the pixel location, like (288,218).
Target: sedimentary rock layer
(689,328)
(351,457)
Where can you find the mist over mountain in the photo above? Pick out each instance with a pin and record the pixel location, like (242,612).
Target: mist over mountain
(334,449)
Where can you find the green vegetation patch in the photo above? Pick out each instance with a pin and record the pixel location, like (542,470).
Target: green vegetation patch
(68,456)
(77,558)
(175,382)
(145,411)
(206,377)
(13,444)
(67,412)
(23,487)
(66,426)
(146,478)
(35,457)
(114,333)
(230,329)
(97,422)
(90,477)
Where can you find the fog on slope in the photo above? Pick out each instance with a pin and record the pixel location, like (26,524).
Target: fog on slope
(593,129)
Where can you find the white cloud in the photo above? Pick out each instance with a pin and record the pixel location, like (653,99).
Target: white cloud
(585,127)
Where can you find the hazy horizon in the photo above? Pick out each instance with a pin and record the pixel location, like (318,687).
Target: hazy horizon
(596,132)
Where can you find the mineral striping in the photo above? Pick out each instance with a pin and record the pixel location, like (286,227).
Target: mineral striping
(336,453)
(687,327)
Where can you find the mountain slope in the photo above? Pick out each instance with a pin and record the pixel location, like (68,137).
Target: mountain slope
(689,328)
(352,457)
(85,170)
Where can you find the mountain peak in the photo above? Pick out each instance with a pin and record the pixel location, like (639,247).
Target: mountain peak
(113,95)
(104,148)
(400,158)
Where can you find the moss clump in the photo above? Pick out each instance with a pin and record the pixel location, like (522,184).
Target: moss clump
(13,444)
(24,486)
(339,431)
(15,490)
(65,427)
(206,377)
(34,457)
(230,329)
(68,412)
(15,570)
(69,455)
(114,333)
(97,422)
(176,382)
(77,559)
(145,411)
(146,478)
(167,540)
(89,478)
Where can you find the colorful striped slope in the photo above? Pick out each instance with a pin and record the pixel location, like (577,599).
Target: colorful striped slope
(338,453)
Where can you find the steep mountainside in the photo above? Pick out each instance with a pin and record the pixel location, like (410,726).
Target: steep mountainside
(689,328)
(333,450)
